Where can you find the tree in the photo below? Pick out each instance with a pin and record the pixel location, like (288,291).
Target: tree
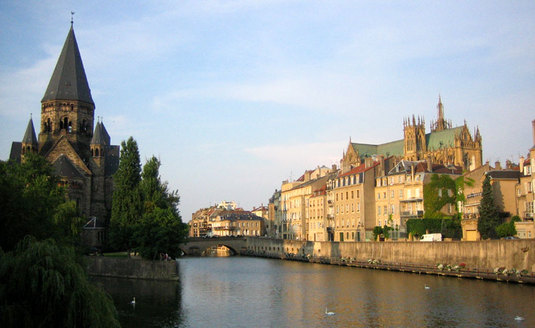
(507,229)
(377,231)
(34,204)
(127,206)
(42,281)
(42,284)
(161,228)
(489,217)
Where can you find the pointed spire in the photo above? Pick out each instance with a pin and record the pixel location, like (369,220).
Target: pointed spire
(69,82)
(29,135)
(100,136)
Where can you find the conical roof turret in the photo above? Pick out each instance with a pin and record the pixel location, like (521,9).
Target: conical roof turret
(29,135)
(69,81)
(100,136)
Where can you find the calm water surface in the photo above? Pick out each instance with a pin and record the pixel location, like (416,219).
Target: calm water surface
(254,292)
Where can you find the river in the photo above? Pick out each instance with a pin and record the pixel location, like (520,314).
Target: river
(257,292)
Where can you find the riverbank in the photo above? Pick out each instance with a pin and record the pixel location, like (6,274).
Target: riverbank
(497,260)
(131,268)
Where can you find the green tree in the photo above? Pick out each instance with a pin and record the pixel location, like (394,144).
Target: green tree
(127,206)
(34,204)
(42,284)
(507,229)
(161,228)
(377,231)
(489,216)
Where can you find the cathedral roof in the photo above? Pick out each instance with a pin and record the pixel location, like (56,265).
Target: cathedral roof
(68,81)
(29,135)
(442,139)
(100,136)
(65,168)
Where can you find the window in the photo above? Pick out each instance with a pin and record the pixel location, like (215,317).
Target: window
(401,193)
(384,195)
(378,210)
(358,207)
(392,194)
(378,195)
(352,207)
(358,194)
(384,210)
(352,194)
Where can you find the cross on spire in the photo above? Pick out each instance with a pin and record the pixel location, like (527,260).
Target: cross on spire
(72,17)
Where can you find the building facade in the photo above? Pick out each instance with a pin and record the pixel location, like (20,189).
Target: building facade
(78,147)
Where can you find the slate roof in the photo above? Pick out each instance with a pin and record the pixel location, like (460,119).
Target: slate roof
(434,140)
(16,151)
(29,135)
(65,168)
(69,82)
(100,136)
(505,174)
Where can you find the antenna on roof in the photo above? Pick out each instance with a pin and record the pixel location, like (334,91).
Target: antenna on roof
(72,17)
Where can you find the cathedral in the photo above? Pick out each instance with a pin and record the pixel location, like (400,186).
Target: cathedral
(444,144)
(78,148)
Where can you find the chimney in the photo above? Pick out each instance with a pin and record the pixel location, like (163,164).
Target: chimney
(497,165)
(521,164)
(307,175)
(508,164)
(429,165)
(333,168)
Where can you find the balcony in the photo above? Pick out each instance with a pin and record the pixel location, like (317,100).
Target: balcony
(411,200)
(412,214)
(528,215)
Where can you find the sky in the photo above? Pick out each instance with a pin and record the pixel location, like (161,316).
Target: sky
(234,97)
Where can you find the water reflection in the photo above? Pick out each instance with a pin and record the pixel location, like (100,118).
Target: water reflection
(253,292)
(157,302)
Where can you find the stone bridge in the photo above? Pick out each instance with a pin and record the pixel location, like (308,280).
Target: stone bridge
(196,246)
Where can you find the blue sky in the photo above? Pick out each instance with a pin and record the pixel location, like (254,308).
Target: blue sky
(236,96)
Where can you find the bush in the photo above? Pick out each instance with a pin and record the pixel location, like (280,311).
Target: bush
(449,228)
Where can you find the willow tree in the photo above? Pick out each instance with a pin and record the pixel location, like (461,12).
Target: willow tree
(43,284)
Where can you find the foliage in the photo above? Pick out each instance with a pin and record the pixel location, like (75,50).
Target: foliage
(161,228)
(506,229)
(386,231)
(145,214)
(34,204)
(377,231)
(489,216)
(127,201)
(449,228)
(43,285)
(441,191)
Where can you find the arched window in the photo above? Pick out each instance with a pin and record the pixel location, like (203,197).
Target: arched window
(96,152)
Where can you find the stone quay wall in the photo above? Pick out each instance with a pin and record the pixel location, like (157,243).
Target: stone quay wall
(480,256)
(131,268)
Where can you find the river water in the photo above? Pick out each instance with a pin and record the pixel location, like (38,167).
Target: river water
(257,292)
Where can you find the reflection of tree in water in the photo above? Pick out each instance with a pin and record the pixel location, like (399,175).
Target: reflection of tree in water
(157,302)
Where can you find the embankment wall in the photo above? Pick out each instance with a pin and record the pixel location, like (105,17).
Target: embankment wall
(478,255)
(131,268)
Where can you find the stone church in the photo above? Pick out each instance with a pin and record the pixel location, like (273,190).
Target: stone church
(444,144)
(79,150)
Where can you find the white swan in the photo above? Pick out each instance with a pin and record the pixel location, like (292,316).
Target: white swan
(328,312)
(427,287)
(519,318)
(133,302)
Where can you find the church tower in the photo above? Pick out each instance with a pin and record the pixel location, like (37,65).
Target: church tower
(414,138)
(84,161)
(29,141)
(67,108)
